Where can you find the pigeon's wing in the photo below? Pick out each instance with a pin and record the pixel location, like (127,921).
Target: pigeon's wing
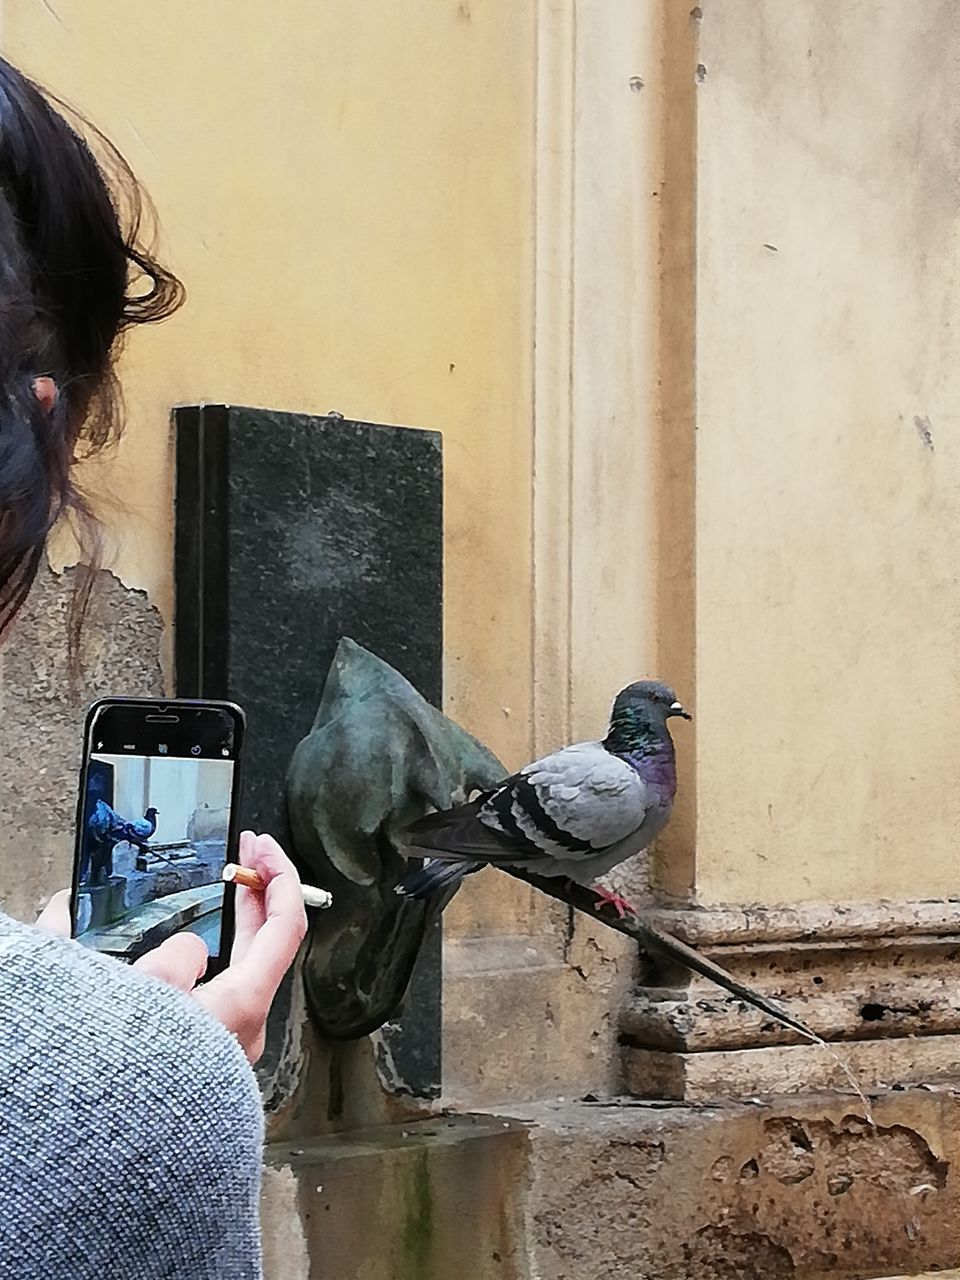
(570,805)
(458,834)
(141,828)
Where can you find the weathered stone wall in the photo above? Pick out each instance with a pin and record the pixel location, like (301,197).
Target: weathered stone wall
(805,1189)
(42,709)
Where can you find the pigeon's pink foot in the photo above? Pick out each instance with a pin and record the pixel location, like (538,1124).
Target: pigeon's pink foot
(611,899)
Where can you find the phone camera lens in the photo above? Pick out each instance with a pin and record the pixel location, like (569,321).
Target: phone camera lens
(194,751)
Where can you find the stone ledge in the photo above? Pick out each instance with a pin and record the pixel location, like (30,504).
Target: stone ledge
(791,1069)
(952,1274)
(416,1202)
(794,1189)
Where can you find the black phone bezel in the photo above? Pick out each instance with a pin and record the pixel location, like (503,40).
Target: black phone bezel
(161,706)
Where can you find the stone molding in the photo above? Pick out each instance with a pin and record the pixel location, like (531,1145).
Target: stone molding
(882,979)
(732,924)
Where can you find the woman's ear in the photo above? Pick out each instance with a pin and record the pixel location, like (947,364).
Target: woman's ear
(45,389)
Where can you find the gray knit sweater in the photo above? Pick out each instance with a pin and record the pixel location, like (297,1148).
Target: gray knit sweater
(130,1124)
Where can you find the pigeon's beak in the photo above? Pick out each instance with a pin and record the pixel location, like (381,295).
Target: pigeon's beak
(676,709)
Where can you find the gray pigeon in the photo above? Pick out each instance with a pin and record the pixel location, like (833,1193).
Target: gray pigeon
(576,813)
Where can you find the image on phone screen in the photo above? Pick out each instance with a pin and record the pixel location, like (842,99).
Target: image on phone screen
(153,841)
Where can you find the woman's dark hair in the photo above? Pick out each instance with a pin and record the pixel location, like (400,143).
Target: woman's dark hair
(73,278)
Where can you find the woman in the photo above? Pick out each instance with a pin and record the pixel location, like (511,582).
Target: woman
(130,1120)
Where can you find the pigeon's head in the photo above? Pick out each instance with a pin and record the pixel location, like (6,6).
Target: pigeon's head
(150,814)
(647,702)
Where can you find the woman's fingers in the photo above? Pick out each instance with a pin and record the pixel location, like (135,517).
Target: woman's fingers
(270,927)
(250,906)
(55,916)
(181,960)
(276,942)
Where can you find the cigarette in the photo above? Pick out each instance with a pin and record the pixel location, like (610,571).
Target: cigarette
(312,897)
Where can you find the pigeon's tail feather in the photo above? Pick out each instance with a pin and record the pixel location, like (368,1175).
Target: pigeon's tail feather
(434,875)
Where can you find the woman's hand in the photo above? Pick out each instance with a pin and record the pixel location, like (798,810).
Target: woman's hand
(269,929)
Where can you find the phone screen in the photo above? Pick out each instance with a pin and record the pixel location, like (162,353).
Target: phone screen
(156,826)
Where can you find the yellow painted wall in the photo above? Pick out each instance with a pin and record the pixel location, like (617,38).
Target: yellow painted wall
(346,191)
(828,607)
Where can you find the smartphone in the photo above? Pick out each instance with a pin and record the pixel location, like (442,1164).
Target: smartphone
(156,822)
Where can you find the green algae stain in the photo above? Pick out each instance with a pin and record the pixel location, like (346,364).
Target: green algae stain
(417,1234)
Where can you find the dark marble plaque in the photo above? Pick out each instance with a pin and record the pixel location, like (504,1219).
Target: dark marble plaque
(291,532)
